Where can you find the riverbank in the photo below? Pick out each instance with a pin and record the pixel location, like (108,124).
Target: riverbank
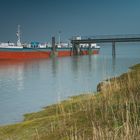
(112,113)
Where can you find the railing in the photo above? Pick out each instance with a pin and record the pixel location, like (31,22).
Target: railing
(106,37)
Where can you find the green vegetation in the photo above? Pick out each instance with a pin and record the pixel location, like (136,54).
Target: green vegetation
(112,113)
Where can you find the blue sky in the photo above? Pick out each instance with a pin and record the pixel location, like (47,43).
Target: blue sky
(42,19)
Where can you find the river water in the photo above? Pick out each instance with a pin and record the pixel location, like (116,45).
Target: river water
(27,86)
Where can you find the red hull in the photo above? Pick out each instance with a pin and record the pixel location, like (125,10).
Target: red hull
(24,55)
(38,54)
(95,51)
(64,53)
(86,52)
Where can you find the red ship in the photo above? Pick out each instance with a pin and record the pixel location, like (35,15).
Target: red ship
(36,50)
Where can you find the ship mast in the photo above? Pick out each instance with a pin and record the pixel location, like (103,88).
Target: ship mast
(18,36)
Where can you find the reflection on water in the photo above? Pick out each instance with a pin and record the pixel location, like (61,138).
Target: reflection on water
(26,86)
(113,63)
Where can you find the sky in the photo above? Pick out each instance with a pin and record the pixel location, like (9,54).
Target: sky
(42,19)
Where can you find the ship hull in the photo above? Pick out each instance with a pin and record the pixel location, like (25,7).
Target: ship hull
(36,53)
(88,52)
(62,52)
(24,53)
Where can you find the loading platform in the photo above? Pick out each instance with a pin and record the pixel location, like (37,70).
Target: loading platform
(76,41)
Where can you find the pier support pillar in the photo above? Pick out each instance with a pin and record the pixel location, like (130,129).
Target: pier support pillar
(89,49)
(76,49)
(53,44)
(113,49)
(54,52)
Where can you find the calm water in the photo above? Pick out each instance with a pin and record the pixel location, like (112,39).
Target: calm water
(27,86)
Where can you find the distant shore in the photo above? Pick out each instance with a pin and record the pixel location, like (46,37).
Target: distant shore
(111,113)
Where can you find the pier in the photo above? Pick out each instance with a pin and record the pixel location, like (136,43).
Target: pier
(76,41)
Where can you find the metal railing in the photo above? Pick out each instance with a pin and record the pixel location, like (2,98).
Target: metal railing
(106,37)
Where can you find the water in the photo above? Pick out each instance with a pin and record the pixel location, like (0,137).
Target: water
(27,86)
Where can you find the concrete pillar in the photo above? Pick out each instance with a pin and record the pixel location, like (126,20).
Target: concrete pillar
(89,49)
(113,49)
(75,49)
(53,44)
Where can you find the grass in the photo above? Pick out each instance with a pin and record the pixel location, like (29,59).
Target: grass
(111,114)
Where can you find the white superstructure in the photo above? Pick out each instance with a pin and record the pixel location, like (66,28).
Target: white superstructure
(92,45)
(86,45)
(13,45)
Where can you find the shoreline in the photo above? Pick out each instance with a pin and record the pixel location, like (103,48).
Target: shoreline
(74,113)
